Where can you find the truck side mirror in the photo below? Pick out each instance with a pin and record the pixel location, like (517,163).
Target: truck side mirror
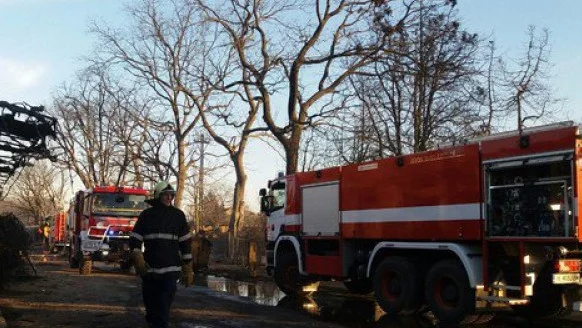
(263,192)
(266,204)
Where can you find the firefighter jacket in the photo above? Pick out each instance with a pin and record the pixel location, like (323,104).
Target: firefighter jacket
(166,238)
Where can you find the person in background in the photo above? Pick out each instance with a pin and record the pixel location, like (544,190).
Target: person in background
(40,233)
(163,231)
(46,233)
(201,248)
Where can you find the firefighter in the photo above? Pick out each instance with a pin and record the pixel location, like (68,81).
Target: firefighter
(46,233)
(201,248)
(164,232)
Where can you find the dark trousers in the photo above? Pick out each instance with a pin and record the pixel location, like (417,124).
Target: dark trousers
(158,295)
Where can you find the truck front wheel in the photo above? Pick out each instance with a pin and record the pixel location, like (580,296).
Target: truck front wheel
(397,286)
(86,266)
(448,292)
(287,275)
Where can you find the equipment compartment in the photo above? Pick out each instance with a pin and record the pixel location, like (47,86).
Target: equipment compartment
(530,197)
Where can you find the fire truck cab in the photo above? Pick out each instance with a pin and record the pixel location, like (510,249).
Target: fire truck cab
(493,220)
(100,222)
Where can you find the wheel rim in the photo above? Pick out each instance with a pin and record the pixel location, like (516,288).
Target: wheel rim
(391,285)
(447,292)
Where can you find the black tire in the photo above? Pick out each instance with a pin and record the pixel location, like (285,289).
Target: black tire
(86,266)
(360,286)
(448,293)
(404,321)
(287,275)
(73,260)
(397,286)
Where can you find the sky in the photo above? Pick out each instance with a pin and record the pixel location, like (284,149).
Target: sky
(42,43)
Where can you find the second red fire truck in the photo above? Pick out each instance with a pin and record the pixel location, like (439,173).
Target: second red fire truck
(494,220)
(58,238)
(100,221)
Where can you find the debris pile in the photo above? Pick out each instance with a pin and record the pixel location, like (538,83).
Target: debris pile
(14,243)
(24,131)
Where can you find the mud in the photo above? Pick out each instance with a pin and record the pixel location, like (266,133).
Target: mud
(60,297)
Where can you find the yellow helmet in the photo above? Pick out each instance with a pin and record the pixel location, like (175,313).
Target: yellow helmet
(162,187)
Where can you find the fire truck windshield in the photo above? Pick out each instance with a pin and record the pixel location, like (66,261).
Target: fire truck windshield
(118,204)
(278,193)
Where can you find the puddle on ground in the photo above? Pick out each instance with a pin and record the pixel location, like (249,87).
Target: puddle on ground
(260,292)
(344,309)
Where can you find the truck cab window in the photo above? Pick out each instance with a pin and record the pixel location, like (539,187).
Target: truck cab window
(108,204)
(278,193)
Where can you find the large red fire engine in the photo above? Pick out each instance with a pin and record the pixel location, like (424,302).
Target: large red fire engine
(100,222)
(493,220)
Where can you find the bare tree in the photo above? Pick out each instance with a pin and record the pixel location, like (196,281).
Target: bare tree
(86,134)
(417,93)
(184,68)
(304,60)
(214,210)
(158,52)
(217,198)
(487,95)
(410,102)
(530,95)
(128,110)
(39,192)
(228,108)
(517,89)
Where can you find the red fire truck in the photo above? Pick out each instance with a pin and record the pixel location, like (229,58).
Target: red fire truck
(100,222)
(490,221)
(58,238)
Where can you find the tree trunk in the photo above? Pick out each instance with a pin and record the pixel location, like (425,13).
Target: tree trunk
(238,210)
(181,172)
(292,150)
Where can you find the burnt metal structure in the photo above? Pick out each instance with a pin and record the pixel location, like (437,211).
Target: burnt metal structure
(24,131)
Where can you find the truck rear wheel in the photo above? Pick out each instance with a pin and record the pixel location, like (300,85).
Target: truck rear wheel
(448,292)
(360,286)
(397,286)
(287,275)
(86,266)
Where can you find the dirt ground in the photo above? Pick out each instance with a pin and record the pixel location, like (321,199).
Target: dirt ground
(60,297)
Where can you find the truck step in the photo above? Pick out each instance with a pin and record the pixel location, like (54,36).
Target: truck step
(504,287)
(508,300)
